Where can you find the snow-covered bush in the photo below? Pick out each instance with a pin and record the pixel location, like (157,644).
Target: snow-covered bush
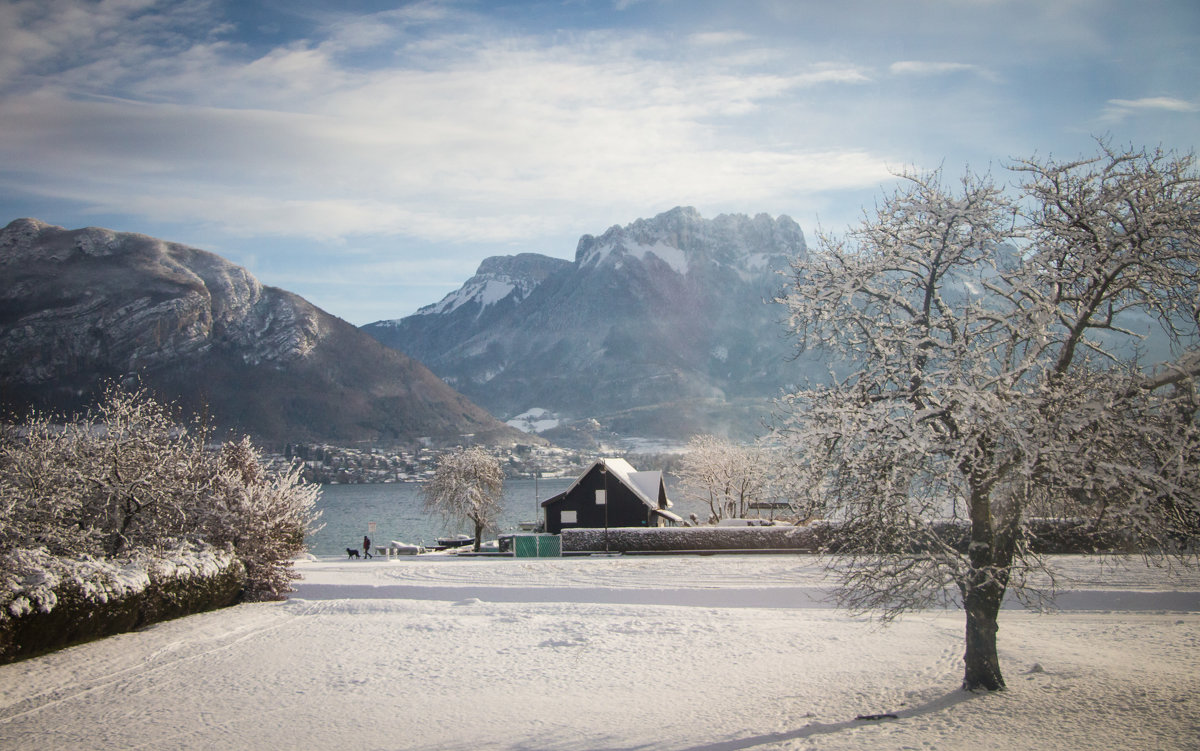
(49,601)
(264,517)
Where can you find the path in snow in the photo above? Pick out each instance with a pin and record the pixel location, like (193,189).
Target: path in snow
(775,581)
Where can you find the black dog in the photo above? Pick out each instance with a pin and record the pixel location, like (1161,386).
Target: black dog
(351,552)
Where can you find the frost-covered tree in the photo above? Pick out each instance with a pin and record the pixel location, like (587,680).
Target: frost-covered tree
(143,472)
(40,490)
(126,476)
(731,477)
(728,476)
(992,347)
(467,487)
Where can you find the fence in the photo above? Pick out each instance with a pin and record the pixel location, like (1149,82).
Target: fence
(537,546)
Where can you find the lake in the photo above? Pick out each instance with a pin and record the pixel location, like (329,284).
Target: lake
(399,513)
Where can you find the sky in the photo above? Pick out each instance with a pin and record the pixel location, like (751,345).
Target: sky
(368,154)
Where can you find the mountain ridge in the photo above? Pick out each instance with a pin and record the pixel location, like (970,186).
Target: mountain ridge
(661,326)
(79,308)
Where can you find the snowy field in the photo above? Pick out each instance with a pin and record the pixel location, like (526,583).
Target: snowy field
(701,653)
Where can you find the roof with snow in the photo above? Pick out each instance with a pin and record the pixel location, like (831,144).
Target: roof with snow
(644,485)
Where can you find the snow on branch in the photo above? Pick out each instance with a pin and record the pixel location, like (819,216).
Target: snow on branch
(989,349)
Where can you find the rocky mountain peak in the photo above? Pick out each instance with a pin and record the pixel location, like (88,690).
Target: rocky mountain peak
(499,279)
(117,282)
(22,231)
(684,240)
(523,267)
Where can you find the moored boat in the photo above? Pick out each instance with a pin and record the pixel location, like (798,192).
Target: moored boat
(457,541)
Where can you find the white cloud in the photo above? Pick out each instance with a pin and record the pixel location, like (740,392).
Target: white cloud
(718,38)
(1119,110)
(1161,103)
(451,122)
(926,68)
(501,139)
(73,40)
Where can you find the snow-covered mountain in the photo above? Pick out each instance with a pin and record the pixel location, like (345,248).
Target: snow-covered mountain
(499,286)
(500,280)
(79,307)
(663,327)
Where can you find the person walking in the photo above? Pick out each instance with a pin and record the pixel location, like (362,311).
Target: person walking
(367,547)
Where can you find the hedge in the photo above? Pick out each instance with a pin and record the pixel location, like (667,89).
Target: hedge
(809,538)
(48,603)
(1042,536)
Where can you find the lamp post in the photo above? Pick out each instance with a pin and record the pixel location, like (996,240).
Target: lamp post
(604,479)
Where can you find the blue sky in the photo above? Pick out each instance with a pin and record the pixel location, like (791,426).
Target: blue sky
(368,154)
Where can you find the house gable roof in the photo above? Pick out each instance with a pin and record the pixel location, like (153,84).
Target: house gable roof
(648,483)
(644,485)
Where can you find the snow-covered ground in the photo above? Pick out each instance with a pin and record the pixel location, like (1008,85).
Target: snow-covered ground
(710,653)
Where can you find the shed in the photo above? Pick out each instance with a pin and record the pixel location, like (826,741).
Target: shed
(611,493)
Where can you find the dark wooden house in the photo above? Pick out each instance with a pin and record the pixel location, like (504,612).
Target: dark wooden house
(611,493)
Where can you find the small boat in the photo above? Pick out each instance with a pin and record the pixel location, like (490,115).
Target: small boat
(455,542)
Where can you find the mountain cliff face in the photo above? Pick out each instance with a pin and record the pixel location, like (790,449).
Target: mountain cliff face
(660,328)
(499,286)
(80,307)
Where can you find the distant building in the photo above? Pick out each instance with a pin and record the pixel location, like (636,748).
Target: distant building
(611,493)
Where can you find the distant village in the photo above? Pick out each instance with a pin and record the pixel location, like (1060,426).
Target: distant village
(327,464)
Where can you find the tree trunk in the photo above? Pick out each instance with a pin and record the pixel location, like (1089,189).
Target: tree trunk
(990,555)
(478,536)
(982,600)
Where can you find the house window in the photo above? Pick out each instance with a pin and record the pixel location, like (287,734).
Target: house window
(601,498)
(568,517)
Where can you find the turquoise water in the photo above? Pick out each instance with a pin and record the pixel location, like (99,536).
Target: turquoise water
(398,512)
